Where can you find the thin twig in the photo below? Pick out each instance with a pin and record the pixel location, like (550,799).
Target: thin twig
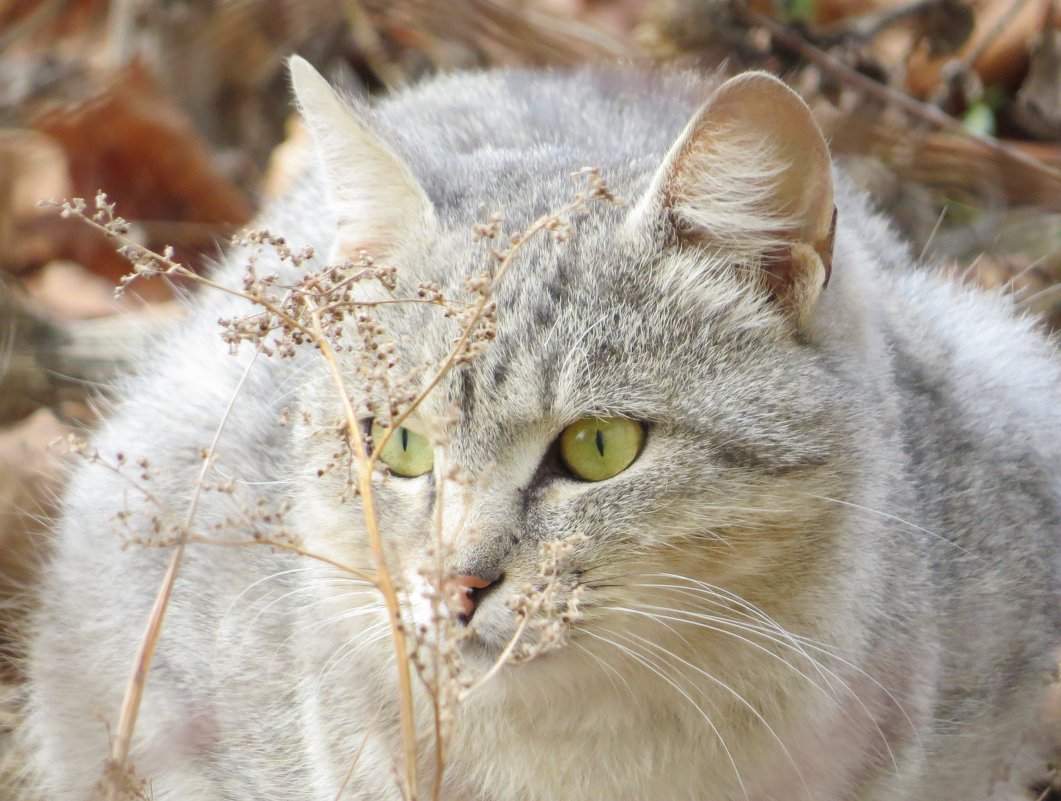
(384,582)
(479,308)
(134,690)
(963,64)
(356,758)
(501,660)
(150,263)
(440,600)
(121,24)
(172,267)
(793,41)
(932,234)
(869,25)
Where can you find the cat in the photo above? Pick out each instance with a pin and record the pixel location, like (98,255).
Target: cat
(809,493)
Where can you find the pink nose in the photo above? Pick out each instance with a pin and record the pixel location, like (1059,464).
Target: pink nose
(465,592)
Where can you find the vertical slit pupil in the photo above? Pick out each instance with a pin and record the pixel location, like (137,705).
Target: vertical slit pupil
(599,439)
(405,438)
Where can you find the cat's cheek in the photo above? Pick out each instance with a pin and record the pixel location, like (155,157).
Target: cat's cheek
(338,529)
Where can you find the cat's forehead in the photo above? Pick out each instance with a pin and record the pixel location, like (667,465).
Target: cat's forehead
(584,326)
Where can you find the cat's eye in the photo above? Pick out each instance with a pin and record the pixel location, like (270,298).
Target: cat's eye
(406,453)
(596,448)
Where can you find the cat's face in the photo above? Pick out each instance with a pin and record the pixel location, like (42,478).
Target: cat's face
(652,320)
(738,432)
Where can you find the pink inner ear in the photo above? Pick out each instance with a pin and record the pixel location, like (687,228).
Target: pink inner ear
(824,249)
(375,195)
(752,176)
(784,268)
(751,170)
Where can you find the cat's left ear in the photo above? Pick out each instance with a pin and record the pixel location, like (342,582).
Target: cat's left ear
(379,202)
(751,176)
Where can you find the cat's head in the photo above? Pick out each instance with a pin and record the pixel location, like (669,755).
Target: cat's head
(660,394)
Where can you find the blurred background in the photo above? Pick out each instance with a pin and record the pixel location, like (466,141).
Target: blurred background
(947,111)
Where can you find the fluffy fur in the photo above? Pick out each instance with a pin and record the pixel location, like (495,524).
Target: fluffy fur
(832,573)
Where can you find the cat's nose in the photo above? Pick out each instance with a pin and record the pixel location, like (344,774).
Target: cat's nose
(468,591)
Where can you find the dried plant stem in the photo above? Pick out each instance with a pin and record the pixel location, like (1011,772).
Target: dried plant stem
(966,62)
(354,760)
(479,308)
(440,582)
(870,24)
(384,582)
(258,541)
(314,320)
(134,689)
(176,268)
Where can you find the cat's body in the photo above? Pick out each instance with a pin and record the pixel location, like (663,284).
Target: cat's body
(832,573)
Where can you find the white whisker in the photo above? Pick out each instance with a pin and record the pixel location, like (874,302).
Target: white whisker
(801,645)
(740,699)
(897,519)
(640,658)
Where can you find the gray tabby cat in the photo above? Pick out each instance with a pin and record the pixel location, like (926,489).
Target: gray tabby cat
(816,490)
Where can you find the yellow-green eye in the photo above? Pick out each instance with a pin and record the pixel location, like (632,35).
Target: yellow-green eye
(406,453)
(596,448)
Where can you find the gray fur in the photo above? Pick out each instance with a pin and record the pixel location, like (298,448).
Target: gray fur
(884,485)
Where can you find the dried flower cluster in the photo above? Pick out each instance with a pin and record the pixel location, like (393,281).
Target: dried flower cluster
(327,309)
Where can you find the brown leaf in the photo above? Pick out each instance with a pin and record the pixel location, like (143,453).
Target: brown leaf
(998,47)
(70,292)
(32,166)
(29,478)
(1038,106)
(137,146)
(945,26)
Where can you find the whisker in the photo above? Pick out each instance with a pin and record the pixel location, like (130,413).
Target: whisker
(831,653)
(366,637)
(754,611)
(611,670)
(751,630)
(260,581)
(740,698)
(318,624)
(757,622)
(640,658)
(897,519)
(315,602)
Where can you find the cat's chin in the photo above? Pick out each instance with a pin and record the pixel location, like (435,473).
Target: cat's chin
(480,653)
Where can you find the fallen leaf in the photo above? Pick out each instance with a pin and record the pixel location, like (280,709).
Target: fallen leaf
(1038,106)
(139,147)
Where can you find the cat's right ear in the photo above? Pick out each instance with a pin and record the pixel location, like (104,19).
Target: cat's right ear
(750,177)
(377,198)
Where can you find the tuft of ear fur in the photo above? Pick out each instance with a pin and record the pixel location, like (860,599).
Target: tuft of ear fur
(378,200)
(751,175)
